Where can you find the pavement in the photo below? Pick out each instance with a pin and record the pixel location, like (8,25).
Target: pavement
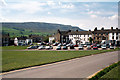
(76,68)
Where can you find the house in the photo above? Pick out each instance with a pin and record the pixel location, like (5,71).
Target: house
(79,37)
(36,38)
(51,39)
(62,36)
(23,40)
(98,36)
(5,39)
(106,34)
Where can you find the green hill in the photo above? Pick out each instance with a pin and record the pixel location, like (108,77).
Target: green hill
(26,28)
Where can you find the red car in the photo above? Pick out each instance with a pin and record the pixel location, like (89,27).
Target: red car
(76,45)
(95,47)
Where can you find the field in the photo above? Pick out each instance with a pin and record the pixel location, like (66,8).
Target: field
(114,73)
(12,60)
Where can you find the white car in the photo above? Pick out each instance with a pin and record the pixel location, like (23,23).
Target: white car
(111,47)
(88,47)
(48,47)
(80,47)
(41,47)
(104,47)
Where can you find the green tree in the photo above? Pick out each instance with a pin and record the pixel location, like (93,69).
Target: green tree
(90,40)
(53,41)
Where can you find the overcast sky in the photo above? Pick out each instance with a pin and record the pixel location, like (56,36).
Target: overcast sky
(86,15)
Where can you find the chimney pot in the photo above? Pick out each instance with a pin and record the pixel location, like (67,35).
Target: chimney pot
(111,28)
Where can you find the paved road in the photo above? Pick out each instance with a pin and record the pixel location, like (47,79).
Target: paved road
(76,68)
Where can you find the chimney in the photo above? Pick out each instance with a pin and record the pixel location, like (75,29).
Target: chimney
(76,30)
(69,31)
(58,31)
(102,28)
(95,29)
(111,28)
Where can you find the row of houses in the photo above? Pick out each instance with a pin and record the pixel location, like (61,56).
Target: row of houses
(78,37)
(22,40)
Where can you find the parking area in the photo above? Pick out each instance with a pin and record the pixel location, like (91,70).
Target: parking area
(68,49)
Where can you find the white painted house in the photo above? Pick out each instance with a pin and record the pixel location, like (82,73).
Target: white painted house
(51,39)
(80,37)
(19,41)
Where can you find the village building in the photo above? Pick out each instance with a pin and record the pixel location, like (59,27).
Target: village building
(5,39)
(81,37)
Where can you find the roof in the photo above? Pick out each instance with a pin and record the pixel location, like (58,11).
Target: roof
(80,33)
(107,31)
(22,38)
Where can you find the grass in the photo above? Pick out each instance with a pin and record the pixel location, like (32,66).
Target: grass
(114,73)
(13,47)
(12,60)
(109,73)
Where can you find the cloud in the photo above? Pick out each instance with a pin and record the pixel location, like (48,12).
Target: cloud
(68,6)
(27,7)
(49,12)
(93,16)
(114,17)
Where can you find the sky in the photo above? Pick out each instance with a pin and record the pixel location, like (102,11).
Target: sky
(84,14)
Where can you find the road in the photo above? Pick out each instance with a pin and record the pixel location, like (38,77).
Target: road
(75,68)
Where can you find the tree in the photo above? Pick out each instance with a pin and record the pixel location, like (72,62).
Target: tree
(90,40)
(53,41)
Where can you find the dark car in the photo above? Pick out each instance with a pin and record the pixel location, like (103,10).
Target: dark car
(32,47)
(65,47)
(95,48)
(71,46)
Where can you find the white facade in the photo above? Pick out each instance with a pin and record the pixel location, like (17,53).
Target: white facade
(17,42)
(51,39)
(80,38)
(114,36)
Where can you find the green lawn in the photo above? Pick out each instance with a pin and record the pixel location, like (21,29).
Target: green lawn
(113,74)
(13,47)
(12,60)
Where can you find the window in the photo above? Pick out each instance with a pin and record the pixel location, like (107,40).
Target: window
(117,37)
(116,34)
(112,37)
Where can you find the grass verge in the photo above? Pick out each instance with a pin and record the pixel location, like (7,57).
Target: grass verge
(13,60)
(109,73)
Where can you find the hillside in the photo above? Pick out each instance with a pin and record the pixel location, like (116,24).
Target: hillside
(26,28)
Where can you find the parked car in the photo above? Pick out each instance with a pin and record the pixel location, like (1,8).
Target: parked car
(41,47)
(59,44)
(95,48)
(80,47)
(93,45)
(71,46)
(32,47)
(76,45)
(58,48)
(111,47)
(88,47)
(64,44)
(104,46)
(98,45)
(85,45)
(55,44)
(48,47)
(65,47)
(68,45)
